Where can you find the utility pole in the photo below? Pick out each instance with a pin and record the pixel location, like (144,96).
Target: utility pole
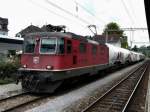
(132,30)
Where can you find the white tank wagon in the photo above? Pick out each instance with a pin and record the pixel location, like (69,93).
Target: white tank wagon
(113,55)
(126,56)
(142,56)
(135,56)
(118,55)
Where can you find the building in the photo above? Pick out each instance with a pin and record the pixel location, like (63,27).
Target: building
(9,44)
(29,29)
(111,39)
(44,28)
(3,26)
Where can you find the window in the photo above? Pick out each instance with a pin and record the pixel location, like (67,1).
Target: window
(69,46)
(61,48)
(29,45)
(102,50)
(48,45)
(94,49)
(82,48)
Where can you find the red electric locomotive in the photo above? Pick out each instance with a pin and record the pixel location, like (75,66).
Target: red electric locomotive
(51,57)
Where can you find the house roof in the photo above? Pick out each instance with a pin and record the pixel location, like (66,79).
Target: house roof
(29,29)
(45,28)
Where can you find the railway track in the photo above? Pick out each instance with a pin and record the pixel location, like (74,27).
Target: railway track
(12,96)
(118,97)
(17,101)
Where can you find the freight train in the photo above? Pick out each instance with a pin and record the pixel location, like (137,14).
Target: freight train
(50,58)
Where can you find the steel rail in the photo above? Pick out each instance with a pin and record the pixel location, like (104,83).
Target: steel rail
(23,104)
(13,96)
(85,109)
(134,90)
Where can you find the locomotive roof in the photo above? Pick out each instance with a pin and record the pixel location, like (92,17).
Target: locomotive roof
(62,34)
(58,34)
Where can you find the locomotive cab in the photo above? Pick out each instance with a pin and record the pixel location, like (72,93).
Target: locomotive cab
(40,52)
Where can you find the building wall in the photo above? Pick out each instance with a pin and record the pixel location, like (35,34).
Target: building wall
(117,44)
(5,47)
(3,33)
(3,26)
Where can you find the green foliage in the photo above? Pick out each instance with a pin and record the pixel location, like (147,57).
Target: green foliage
(6,81)
(135,48)
(143,49)
(9,67)
(113,28)
(124,43)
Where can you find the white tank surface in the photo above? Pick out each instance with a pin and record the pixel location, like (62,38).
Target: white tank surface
(113,54)
(135,56)
(142,56)
(118,55)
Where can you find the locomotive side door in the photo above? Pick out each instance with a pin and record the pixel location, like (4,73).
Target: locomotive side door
(75,52)
(71,53)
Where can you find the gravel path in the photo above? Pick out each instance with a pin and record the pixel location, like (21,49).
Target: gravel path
(9,90)
(9,87)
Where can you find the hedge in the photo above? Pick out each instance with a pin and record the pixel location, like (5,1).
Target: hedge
(9,67)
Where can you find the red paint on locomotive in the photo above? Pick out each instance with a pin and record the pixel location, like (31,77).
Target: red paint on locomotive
(94,54)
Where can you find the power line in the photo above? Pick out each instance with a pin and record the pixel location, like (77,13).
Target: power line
(89,12)
(50,11)
(69,13)
(127,11)
(35,3)
(140,42)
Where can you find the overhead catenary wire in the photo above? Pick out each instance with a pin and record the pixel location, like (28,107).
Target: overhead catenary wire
(35,3)
(50,11)
(127,11)
(89,12)
(133,11)
(66,11)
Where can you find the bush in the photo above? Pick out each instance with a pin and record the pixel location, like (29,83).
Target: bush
(9,67)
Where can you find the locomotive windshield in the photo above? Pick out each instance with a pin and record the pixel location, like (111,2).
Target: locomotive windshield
(52,45)
(29,45)
(48,45)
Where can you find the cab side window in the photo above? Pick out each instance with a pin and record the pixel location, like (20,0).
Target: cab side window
(61,44)
(69,46)
(94,49)
(82,48)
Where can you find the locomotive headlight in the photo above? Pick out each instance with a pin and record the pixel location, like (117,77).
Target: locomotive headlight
(24,66)
(48,67)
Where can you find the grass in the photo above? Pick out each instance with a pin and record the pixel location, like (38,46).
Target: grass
(6,81)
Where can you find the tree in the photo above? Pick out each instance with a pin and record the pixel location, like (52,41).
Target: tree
(113,28)
(148,47)
(135,48)
(124,42)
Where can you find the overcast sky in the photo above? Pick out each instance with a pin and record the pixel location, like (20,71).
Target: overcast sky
(76,15)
